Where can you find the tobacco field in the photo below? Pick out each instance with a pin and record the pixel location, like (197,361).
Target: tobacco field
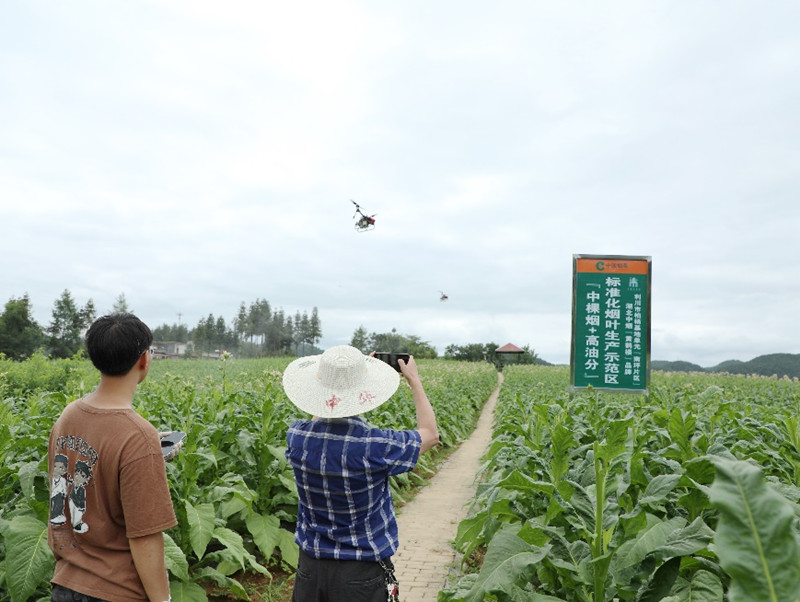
(232,490)
(688,494)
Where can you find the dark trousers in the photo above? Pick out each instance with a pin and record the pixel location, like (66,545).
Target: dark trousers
(64,594)
(324,580)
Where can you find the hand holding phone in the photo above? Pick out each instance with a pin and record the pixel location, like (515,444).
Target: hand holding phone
(391,358)
(171,443)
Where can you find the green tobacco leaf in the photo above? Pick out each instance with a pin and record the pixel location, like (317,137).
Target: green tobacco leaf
(509,564)
(563,439)
(616,436)
(233,543)
(517,481)
(660,582)
(201,526)
(223,581)
(29,560)
(468,536)
(27,474)
(681,428)
(182,591)
(265,531)
(659,488)
(632,552)
(755,542)
(703,587)
(290,552)
(687,541)
(175,559)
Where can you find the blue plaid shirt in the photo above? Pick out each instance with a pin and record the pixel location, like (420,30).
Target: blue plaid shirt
(342,470)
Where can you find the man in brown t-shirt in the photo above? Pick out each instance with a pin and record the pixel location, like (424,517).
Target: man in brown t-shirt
(109,496)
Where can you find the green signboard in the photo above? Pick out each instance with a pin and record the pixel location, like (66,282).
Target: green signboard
(611,323)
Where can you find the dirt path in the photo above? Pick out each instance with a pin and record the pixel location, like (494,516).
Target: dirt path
(428,523)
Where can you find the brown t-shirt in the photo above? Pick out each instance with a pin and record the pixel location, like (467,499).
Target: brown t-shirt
(108,484)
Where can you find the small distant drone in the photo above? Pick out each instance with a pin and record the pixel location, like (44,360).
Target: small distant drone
(442,296)
(364,222)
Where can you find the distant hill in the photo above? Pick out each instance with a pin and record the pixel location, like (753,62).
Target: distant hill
(780,364)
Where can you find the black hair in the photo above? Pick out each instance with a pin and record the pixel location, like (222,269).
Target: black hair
(116,342)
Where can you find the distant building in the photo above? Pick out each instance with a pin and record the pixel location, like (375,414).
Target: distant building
(507,354)
(168,349)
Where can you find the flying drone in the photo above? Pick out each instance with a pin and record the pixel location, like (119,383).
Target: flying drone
(364,222)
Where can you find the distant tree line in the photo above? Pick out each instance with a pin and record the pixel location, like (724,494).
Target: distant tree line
(21,336)
(257,330)
(476,352)
(392,342)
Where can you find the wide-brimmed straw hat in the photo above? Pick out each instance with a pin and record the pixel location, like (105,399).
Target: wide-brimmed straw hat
(340,382)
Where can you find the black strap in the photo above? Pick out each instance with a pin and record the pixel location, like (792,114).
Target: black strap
(392,586)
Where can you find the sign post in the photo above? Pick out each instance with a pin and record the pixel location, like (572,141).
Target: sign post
(611,323)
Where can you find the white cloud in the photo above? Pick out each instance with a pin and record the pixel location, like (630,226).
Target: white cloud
(196,155)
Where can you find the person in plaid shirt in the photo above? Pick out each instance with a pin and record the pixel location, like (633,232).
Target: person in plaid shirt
(346,525)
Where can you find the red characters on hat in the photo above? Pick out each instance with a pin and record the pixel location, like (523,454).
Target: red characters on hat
(332,402)
(365,397)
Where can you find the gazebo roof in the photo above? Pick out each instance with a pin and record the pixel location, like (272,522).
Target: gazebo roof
(509,348)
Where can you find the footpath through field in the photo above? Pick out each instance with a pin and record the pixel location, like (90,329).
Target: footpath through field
(428,524)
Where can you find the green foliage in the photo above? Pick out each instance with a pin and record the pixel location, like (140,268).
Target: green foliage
(20,335)
(473,352)
(486,352)
(29,560)
(637,498)
(66,325)
(359,340)
(232,488)
(755,540)
(394,342)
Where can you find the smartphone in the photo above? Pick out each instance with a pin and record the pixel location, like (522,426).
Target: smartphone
(391,358)
(168,442)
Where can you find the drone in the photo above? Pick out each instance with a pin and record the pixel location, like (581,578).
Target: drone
(364,222)
(442,296)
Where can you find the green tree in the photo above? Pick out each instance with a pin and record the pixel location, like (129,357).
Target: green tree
(279,333)
(420,349)
(222,336)
(20,335)
(473,352)
(304,334)
(394,342)
(315,327)
(67,325)
(121,305)
(359,340)
(300,332)
(240,324)
(89,312)
(178,333)
(258,320)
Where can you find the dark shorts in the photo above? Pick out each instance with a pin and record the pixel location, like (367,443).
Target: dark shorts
(64,594)
(324,580)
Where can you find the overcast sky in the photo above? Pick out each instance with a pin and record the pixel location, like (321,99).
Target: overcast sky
(193,155)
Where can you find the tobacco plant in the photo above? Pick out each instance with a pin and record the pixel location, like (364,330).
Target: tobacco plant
(232,489)
(686,494)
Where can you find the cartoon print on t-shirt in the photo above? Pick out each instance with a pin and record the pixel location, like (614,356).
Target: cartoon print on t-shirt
(77,497)
(58,489)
